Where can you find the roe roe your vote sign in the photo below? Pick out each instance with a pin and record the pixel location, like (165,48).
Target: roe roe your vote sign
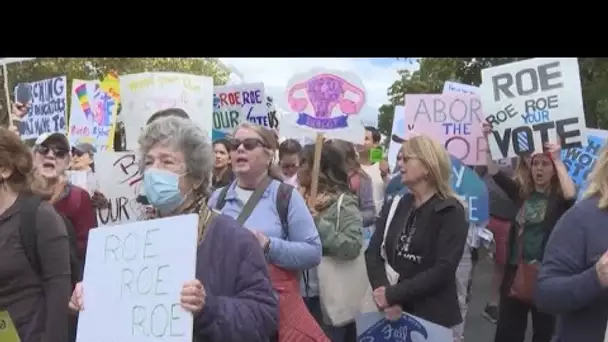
(532,102)
(132,281)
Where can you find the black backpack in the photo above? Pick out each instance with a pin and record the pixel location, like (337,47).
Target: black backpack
(282,202)
(29,238)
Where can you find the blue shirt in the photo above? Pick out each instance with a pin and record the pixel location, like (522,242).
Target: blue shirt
(394,186)
(302,248)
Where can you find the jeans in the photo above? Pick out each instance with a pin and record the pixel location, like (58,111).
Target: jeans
(346,333)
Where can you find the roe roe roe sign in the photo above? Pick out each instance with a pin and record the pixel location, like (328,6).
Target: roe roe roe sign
(132,281)
(532,102)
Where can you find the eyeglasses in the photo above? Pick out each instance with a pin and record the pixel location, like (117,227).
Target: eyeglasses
(249,144)
(57,151)
(289,166)
(77,153)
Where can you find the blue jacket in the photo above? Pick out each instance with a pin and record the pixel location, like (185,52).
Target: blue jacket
(241,304)
(568,285)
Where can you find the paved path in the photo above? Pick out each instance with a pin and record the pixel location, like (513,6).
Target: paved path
(477,328)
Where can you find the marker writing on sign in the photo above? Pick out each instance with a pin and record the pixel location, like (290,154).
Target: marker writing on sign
(153,316)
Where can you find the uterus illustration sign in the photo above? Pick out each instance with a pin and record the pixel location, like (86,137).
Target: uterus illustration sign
(326,100)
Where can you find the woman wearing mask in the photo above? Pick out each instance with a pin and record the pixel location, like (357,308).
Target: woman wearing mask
(235,288)
(35,301)
(542,192)
(420,238)
(289,160)
(361,184)
(573,276)
(222,171)
(341,236)
(278,217)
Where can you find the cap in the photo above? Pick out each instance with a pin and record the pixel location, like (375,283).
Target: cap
(60,137)
(86,148)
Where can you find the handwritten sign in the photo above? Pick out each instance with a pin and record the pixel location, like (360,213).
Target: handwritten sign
(144,94)
(326,101)
(8,333)
(530,103)
(47,113)
(119,180)
(453,87)
(234,104)
(581,161)
(472,189)
(454,119)
(373,327)
(133,277)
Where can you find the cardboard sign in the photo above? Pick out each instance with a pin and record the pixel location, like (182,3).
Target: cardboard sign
(48,108)
(133,278)
(453,118)
(373,327)
(8,332)
(238,103)
(530,103)
(453,87)
(473,191)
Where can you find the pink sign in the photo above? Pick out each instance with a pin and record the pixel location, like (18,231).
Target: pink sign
(454,119)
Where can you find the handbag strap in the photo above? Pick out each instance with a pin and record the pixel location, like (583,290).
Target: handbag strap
(253,201)
(389,218)
(519,233)
(340,199)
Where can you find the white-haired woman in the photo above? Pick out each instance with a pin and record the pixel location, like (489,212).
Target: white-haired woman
(573,277)
(232,298)
(420,238)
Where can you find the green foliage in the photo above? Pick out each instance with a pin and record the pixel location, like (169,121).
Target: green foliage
(434,72)
(97,68)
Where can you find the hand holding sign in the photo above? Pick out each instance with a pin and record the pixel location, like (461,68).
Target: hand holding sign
(193,296)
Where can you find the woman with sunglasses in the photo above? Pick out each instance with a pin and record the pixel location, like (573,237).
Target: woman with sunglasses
(278,217)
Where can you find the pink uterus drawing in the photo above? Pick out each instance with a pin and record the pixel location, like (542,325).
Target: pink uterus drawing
(324,92)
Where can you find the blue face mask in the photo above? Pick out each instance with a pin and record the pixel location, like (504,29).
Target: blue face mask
(162,190)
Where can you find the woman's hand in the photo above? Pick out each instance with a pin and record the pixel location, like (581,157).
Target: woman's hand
(262,239)
(486,129)
(393,313)
(99,200)
(193,296)
(19,109)
(380,297)
(76,301)
(555,150)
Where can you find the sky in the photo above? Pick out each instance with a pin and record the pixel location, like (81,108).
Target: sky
(377,74)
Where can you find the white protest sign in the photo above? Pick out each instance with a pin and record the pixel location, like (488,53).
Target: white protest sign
(453,87)
(532,102)
(48,108)
(119,180)
(235,104)
(132,281)
(144,94)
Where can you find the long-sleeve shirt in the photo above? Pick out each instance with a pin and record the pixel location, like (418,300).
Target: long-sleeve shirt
(75,204)
(301,248)
(37,303)
(367,206)
(568,285)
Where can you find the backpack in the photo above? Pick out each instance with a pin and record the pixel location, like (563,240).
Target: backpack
(29,238)
(282,202)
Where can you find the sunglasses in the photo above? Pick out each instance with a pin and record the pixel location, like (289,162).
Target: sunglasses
(57,151)
(288,166)
(77,153)
(248,144)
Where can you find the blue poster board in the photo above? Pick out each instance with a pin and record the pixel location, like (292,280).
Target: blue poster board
(467,184)
(373,327)
(580,161)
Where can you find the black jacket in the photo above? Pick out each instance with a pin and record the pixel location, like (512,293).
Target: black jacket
(426,287)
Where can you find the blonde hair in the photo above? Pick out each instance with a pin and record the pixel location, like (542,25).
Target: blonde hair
(598,180)
(436,159)
(271,144)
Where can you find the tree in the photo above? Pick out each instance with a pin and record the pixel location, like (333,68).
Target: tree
(97,68)
(433,72)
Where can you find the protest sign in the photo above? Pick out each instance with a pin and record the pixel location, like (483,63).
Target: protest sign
(397,136)
(119,180)
(531,103)
(580,160)
(8,332)
(454,119)
(238,103)
(92,114)
(142,95)
(132,281)
(472,190)
(48,108)
(453,87)
(373,327)
(328,102)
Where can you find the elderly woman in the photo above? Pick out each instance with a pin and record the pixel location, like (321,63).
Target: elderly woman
(419,239)
(232,298)
(280,219)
